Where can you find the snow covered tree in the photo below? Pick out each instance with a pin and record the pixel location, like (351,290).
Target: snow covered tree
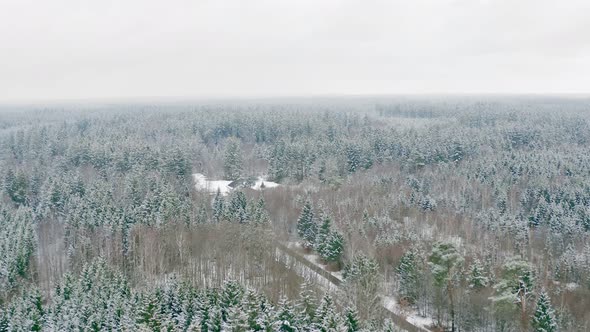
(323,233)
(361,284)
(333,250)
(285,320)
(237,209)
(258,213)
(325,316)
(232,160)
(515,287)
(353,157)
(306,304)
(352,320)
(16,186)
(231,296)
(408,273)
(445,261)
(251,306)
(306,225)
(544,316)
(476,277)
(218,206)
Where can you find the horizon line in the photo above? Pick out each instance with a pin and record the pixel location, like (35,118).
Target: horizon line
(269,97)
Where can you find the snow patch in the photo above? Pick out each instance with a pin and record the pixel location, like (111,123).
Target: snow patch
(258,184)
(212,186)
(411,315)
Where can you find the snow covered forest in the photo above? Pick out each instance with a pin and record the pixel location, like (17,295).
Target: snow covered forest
(455,213)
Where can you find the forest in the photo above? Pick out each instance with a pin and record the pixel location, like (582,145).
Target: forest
(456,213)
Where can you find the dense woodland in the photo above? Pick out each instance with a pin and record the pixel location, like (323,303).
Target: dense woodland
(473,211)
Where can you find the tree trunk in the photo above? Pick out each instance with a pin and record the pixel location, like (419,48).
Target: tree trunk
(452,303)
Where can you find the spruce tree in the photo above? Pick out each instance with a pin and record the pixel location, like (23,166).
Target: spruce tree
(306,226)
(352,320)
(306,305)
(237,209)
(333,249)
(477,279)
(323,233)
(408,274)
(218,206)
(285,320)
(232,160)
(544,316)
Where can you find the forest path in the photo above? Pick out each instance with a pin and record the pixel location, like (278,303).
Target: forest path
(305,268)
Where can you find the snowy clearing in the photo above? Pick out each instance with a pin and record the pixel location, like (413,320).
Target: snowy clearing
(225,186)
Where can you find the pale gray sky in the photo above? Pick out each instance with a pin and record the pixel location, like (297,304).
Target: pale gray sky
(132,48)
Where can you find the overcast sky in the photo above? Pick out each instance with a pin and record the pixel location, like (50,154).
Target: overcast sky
(62,49)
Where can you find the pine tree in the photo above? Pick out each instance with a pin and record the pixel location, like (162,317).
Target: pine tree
(285,320)
(231,296)
(148,312)
(333,249)
(515,286)
(232,160)
(238,207)
(544,316)
(259,214)
(477,279)
(445,260)
(326,318)
(353,157)
(306,226)
(352,320)
(306,305)
(251,307)
(408,274)
(218,206)
(323,233)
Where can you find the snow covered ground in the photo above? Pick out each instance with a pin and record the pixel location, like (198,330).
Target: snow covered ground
(412,316)
(211,186)
(314,259)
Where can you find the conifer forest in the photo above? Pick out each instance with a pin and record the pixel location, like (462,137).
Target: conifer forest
(343,214)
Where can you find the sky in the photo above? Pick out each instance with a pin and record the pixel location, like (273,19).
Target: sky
(96,49)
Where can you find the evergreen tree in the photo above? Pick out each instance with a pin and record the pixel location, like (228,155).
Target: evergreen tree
(445,261)
(353,157)
(306,225)
(306,305)
(326,318)
(232,160)
(408,273)
(251,308)
(352,320)
(231,297)
(218,206)
(323,233)
(259,214)
(515,287)
(285,320)
(544,316)
(333,249)
(477,279)
(16,186)
(237,210)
